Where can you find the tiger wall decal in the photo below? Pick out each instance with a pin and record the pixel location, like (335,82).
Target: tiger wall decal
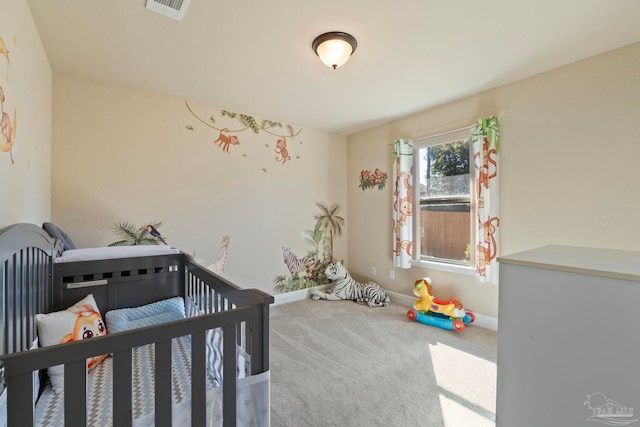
(346,287)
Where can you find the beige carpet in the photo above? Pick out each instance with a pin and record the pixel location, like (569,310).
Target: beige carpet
(339,363)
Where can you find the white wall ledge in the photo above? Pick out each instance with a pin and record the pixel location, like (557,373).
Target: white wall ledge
(452,268)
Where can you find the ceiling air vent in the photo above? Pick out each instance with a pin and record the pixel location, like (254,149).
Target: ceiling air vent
(172,8)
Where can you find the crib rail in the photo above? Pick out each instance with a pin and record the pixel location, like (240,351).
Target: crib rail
(18,369)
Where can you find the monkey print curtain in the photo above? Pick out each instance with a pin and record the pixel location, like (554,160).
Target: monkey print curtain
(485,136)
(402,202)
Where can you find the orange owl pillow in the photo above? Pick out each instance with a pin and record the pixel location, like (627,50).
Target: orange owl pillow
(80,321)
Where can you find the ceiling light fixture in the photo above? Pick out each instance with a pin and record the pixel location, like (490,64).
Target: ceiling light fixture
(334,48)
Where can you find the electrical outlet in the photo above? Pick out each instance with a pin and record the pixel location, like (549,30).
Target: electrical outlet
(373,271)
(392,274)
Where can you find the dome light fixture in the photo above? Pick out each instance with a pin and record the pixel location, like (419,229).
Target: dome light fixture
(334,48)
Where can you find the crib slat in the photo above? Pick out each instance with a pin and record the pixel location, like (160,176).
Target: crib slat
(198,380)
(254,345)
(10,306)
(122,394)
(23,294)
(163,384)
(229,370)
(263,330)
(2,313)
(20,400)
(75,393)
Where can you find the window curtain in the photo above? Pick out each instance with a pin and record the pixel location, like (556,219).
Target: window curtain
(402,202)
(485,136)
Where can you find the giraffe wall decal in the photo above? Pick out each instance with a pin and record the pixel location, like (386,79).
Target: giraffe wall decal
(218,266)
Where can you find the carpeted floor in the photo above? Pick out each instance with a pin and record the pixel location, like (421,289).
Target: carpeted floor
(339,363)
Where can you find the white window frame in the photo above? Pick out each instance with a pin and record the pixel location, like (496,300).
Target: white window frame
(435,263)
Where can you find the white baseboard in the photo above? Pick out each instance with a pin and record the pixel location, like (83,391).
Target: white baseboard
(402,299)
(295,295)
(482,321)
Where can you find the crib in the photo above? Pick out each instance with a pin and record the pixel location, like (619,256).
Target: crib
(32,283)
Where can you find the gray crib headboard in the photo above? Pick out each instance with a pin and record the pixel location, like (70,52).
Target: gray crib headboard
(26,266)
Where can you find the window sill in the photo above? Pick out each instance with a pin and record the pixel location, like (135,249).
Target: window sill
(459,269)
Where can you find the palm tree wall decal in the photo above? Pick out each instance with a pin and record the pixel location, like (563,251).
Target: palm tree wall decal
(331,221)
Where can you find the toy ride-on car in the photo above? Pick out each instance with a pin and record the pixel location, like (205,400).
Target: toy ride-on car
(435,312)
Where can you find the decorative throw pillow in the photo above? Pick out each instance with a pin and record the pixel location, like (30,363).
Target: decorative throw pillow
(78,322)
(55,232)
(124,319)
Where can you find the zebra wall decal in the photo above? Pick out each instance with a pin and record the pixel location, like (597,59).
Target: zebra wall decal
(295,264)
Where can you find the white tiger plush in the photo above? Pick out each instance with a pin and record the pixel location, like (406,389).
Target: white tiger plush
(346,287)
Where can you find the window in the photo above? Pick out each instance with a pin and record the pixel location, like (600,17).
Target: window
(443,197)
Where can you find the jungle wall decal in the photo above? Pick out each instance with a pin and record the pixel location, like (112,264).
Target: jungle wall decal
(309,270)
(218,266)
(7,128)
(373,179)
(226,137)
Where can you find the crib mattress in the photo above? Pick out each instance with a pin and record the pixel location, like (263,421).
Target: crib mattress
(50,407)
(111,252)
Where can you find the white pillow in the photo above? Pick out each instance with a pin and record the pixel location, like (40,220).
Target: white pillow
(80,321)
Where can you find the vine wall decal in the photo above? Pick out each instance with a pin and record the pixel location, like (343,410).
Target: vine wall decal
(226,138)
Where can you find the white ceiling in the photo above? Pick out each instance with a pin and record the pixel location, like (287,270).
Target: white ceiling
(255,57)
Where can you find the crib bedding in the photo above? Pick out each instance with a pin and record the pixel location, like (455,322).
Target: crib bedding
(114,252)
(50,406)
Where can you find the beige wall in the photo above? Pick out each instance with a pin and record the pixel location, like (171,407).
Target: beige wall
(25,78)
(568,174)
(569,169)
(122,154)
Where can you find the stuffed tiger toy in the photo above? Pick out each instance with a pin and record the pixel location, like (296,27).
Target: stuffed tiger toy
(346,287)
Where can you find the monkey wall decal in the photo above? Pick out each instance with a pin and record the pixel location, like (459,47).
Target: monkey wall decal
(370,179)
(281,149)
(7,129)
(224,140)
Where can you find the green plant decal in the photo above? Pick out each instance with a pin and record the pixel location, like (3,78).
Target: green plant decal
(130,235)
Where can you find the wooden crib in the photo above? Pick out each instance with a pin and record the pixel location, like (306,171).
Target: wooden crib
(33,283)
